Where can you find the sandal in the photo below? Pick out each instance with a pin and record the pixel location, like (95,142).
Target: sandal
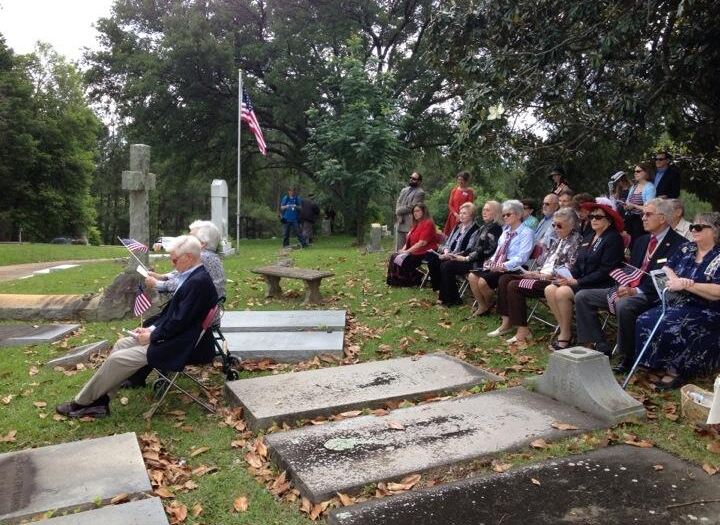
(556,345)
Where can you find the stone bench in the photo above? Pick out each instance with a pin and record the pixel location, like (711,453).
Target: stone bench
(312,279)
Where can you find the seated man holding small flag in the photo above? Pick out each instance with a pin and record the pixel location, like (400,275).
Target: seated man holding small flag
(635,292)
(168,344)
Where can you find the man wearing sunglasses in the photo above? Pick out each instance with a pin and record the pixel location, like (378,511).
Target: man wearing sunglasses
(667,176)
(650,252)
(169,344)
(410,195)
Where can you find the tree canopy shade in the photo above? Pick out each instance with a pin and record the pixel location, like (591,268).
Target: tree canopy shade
(48,138)
(170,68)
(610,72)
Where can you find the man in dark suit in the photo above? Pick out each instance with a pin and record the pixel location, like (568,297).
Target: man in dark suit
(168,344)
(650,252)
(667,177)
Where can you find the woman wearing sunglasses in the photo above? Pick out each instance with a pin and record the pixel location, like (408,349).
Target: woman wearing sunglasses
(640,192)
(515,288)
(687,342)
(600,252)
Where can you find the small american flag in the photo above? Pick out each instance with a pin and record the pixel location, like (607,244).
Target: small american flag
(134,246)
(247,114)
(527,283)
(612,297)
(142,303)
(627,276)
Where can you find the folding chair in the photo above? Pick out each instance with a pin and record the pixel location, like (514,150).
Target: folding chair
(168,380)
(425,271)
(464,285)
(649,339)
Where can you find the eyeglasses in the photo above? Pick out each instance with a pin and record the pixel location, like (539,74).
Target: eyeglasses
(547,203)
(660,159)
(558,225)
(596,217)
(697,228)
(650,213)
(507,214)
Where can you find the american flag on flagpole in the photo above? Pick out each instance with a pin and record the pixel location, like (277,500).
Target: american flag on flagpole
(247,114)
(627,276)
(142,303)
(134,246)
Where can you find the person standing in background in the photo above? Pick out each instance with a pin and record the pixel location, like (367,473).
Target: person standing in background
(667,176)
(410,195)
(309,212)
(290,215)
(458,196)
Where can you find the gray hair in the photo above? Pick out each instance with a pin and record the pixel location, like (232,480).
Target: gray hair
(678,205)
(513,206)
(567,214)
(207,233)
(496,210)
(470,207)
(713,219)
(663,206)
(186,244)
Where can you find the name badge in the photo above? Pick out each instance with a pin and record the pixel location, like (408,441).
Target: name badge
(660,261)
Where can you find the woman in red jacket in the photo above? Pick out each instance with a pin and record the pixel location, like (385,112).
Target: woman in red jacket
(458,196)
(422,238)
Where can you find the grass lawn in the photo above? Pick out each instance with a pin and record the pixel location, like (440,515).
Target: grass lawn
(392,322)
(32,252)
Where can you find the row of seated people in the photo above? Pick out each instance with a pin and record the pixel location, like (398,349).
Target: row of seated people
(572,272)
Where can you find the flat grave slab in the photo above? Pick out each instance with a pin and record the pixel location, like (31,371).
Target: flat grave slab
(70,476)
(60,267)
(79,354)
(284,347)
(283,321)
(15,335)
(289,397)
(612,485)
(345,456)
(141,512)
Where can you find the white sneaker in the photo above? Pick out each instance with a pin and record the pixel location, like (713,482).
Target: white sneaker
(498,332)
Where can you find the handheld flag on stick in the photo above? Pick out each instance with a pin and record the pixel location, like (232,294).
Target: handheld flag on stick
(134,246)
(142,302)
(628,276)
(123,241)
(247,114)
(612,297)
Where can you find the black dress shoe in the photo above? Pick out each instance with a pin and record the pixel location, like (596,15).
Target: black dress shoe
(97,409)
(622,368)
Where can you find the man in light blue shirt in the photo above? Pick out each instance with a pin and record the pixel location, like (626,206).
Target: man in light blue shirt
(544,230)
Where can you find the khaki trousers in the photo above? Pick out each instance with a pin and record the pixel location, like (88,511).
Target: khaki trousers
(124,360)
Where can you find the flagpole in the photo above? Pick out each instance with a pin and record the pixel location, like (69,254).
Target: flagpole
(239,180)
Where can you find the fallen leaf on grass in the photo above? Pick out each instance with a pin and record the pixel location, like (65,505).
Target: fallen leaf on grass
(202,470)
(9,437)
(711,471)
(260,448)
(124,401)
(658,468)
(120,498)
(318,509)
(253,460)
(406,483)
(714,447)
(199,451)
(240,504)
(535,481)
(34,371)
(305,506)
(196,510)
(345,499)
(499,466)
(539,443)
(6,399)
(164,492)
(351,413)
(394,425)
(39,404)
(238,443)
(563,426)
(177,512)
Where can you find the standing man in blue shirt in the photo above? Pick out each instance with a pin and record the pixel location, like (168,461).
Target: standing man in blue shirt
(667,177)
(290,216)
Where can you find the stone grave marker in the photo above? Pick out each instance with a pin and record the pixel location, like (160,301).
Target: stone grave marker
(615,485)
(219,213)
(375,238)
(290,397)
(147,511)
(139,181)
(284,347)
(345,456)
(283,321)
(15,335)
(79,354)
(70,476)
(583,378)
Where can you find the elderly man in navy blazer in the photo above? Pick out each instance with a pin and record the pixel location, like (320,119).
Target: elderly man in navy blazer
(650,252)
(168,344)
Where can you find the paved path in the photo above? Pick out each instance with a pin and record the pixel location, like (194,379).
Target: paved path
(15,271)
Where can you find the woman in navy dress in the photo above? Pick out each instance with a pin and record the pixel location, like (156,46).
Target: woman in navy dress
(687,342)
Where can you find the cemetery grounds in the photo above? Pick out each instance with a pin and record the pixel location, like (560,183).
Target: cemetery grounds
(222,468)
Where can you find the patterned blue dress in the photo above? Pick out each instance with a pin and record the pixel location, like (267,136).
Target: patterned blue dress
(687,341)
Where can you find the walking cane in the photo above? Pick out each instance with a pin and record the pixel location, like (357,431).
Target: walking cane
(647,343)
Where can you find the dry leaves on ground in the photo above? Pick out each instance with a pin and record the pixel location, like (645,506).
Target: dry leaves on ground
(711,471)
(9,437)
(539,443)
(499,466)
(632,439)
(240,504)
(563,426)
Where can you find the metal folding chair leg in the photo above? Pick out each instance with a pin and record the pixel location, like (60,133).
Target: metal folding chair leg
(172,383)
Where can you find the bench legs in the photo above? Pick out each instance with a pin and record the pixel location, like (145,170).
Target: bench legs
(312,292)
(273,286)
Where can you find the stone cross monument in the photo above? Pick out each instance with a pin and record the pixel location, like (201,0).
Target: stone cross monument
(139,181)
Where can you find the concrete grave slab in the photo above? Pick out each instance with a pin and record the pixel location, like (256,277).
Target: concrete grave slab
(79,354)
(583,378)
(41,335)
(615,485)
(141,512)
(346,455)
(283,321)
(284,347)
(289,397)
(70,476)
(62,267)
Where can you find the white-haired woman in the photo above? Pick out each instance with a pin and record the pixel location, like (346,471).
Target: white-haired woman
(513,250)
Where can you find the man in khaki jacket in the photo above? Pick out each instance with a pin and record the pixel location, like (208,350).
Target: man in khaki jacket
(410,195)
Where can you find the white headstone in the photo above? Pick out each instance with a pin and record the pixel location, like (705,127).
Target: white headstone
(219,212)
